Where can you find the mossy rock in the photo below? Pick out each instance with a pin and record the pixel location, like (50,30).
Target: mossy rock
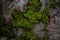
(31,16)
(25,20)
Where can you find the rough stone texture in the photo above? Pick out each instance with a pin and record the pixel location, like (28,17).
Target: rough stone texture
(9,6)
(37,29)
(43,4)
(54,26)
(3,38)
(19,32)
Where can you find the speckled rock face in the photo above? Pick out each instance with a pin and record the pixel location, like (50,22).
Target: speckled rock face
(43,4)
(20,4)
(19,32)
(54,26)
(38,28)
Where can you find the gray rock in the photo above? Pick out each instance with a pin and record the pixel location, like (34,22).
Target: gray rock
(3,38)
(19,32)
(38,28)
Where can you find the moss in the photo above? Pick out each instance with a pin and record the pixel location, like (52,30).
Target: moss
(27,35)
(21,21)
(58,4)
(26,20)
(44,38)
(31,16)
(8,31)
(53,4)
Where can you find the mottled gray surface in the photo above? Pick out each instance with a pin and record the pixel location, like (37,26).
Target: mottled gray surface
(37,29)
(19,32)
(43,4)
(3,38)
(54,26)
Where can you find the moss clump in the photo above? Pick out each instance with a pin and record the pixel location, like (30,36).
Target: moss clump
(27,35)
(44,38)
(53,4)
(31,16)
(26,20)
(58,4)
(21,21)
